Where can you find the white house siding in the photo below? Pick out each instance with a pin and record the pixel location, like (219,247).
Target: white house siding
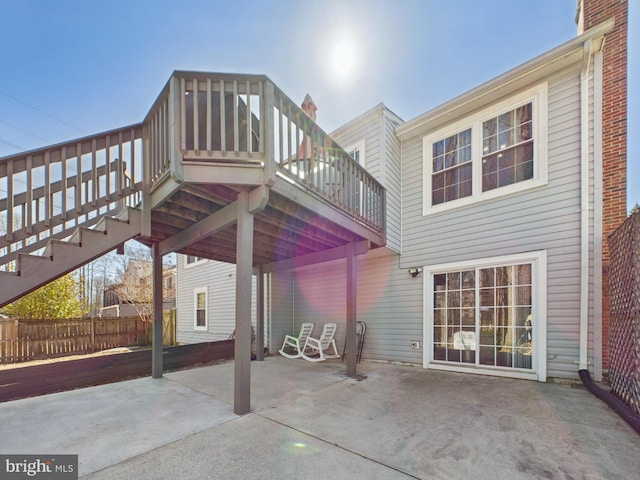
(382,159)
(392,182)
(220,281)
(547,218)
(280,313)
(389,302)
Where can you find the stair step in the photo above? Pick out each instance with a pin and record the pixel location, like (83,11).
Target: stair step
(83,234)
(63,256)
(27,263)
(55,245)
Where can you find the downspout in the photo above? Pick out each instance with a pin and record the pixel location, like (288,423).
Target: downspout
(615,403)
(584,205)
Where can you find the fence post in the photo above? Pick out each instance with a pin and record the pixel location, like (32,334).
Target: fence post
(93,335)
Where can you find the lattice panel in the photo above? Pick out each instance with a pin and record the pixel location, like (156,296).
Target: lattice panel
(624,334)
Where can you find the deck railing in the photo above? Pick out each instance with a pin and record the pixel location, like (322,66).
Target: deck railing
(246,119)
(198,118)
(46,193)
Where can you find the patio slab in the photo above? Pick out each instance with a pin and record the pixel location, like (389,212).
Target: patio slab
(309,420)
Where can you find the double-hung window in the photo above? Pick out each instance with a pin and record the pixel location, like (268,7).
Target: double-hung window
(497,151)
(200,309)
(193,260)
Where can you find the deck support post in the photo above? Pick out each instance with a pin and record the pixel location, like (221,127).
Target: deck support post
(156,349)
(244,272)
(352,310)
(260,312)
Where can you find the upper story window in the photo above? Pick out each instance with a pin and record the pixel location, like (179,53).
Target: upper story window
(357,152)
(494,152)
(507,148)
(192,260)
(451,167)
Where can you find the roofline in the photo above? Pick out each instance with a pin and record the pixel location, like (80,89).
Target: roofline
(553,60)
(379,108)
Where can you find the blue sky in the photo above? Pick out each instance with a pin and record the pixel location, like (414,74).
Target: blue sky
(77,67)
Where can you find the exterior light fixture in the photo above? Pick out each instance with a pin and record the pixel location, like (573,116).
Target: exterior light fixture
(415,272)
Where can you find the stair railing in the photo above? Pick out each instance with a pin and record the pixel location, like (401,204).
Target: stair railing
(46,193)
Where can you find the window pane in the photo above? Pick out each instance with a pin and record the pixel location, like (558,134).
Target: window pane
(465,172)
(523,295)
(468,279)
(503,276)
(453,281)
(438,149)
(451,168)
(468,317)
(505,121)
(453,299)
(505,139)
(523,274)
(486,277)
(487,318)
(468,298)
(487,297)
(438,163)
(451,144)
(487,356)
(201,300)
(439,334)
(464,138)
(437,197)
(511,134)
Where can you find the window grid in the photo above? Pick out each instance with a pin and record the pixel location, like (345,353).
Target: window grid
(483,316)
(451,168)
(507,148)
(200,322)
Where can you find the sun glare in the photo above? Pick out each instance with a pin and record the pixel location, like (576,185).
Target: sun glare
(343,59)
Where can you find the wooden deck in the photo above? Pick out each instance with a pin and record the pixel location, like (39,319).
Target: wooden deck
(207,139)
(224,167)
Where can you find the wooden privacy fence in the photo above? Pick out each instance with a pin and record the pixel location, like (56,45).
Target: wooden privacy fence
(624,331)
(25,340)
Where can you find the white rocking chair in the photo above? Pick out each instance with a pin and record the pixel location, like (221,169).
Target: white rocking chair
(318,346)
(296,343)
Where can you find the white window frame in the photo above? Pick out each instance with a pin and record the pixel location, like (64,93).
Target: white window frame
(538,260)
(193,264)
(360,148)
(197,327)
(538,97)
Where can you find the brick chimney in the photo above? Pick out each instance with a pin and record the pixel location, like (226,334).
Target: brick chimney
(614,130)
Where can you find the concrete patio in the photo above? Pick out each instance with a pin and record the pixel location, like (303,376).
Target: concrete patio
(309,421)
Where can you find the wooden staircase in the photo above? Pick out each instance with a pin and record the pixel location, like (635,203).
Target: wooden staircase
(63,256)
(210,144)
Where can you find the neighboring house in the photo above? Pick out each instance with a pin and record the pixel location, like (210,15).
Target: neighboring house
(133,294)
(206,300)
(498,203)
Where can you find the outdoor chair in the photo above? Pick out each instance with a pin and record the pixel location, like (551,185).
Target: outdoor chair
(296,343)
(318,346)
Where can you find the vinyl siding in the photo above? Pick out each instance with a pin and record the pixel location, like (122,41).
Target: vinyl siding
(389,302)
(382,159)
(546,218)
(220,281)
(392,183)
(280,312)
